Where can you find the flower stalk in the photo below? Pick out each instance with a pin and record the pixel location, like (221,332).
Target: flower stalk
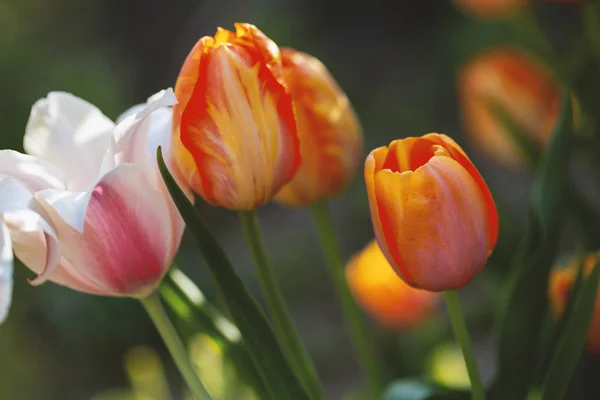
(282,323)
(159,317)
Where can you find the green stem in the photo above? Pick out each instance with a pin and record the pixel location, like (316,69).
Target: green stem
(282,322)
(178,351)
(462,337)
(591,25)
(364,347)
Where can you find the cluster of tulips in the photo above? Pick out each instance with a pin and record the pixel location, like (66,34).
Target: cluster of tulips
(100,207)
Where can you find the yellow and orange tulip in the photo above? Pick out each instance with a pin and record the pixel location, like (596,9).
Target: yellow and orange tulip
(490,8)
(234,131)
(330,135)
(561,282)
(379,291)
(433,214)
(526,91)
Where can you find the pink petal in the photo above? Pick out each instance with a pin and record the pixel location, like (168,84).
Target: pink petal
(34,173)
(127,242)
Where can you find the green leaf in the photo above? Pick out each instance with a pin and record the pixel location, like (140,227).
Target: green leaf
(572,341)
(186,301)
(417,389)
(522,314)
(246,313)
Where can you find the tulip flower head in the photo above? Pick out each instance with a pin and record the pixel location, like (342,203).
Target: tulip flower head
(377,288)
(86,208)
(490,9)
(524,89)
(433,214)
(560,287)
(329,131)
(234,132)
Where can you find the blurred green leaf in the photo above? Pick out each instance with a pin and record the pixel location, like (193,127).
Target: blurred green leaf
(245,311)
(417,389)
(186,301)
(572,341)
(526,301)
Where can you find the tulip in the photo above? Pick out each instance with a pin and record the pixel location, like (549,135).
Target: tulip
(377,288)
(433,214)
(234,132)
(490,8)
(330,135)
(524,89)
(560,284)
(86,208)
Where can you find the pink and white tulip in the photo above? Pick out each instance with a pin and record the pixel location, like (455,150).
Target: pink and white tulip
(86,207)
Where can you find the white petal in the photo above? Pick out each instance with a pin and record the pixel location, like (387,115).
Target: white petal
(18,204)
(70,133)
(6,271)
(34,173)
(71,206)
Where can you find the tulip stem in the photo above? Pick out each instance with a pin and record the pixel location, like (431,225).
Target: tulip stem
(283,325)
(364,347)
(461,334)
(176,347)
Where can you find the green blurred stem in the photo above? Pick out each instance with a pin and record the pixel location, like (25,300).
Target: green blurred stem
(364,347)
(282,322)
(461,335)
(591,26)
(178,351)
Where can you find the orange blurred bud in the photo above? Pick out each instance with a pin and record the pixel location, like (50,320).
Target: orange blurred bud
(433,214)
(490,8)
(235,138)
(561,282)
(524,89)
(377,288)
(330,135)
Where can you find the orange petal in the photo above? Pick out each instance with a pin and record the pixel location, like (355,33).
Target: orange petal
(444,236)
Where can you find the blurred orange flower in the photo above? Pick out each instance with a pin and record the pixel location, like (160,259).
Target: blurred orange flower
(523,88)
(377,288)
(490,8)
(559,288)
(330,135)
(234,130)
(433,214)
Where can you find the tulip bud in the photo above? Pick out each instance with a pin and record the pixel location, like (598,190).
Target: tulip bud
(433,214)
(234,132)
(522,88)
(560,284)
(490,8)
(377,288)
(329,132)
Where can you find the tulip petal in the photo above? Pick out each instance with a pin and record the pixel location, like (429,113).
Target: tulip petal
(391,191)
(6,271)
(17,203)
(34,173)
(71,134)
(444,236)
(126,235)
(373,163)
(238,124)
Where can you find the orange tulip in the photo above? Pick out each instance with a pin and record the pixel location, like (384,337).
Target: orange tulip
(329,131)
(234,130)
(523,88)
(490,8)
(433,214)
(559,288)
(378,290)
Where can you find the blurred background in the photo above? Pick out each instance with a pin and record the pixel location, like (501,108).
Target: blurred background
(397,61)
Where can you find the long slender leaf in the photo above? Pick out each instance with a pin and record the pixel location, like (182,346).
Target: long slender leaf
(184,299)
(522,315)
(245,311)
(572,341)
